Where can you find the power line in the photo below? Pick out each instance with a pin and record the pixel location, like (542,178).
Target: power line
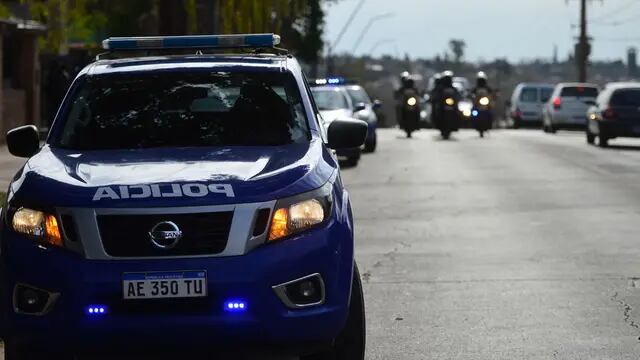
(615,11)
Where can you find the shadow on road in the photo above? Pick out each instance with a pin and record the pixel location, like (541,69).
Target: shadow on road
(622,147)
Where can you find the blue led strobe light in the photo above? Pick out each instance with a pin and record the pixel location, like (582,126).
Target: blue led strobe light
(235,306)
(96,310)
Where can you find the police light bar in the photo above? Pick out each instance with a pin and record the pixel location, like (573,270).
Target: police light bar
(330,81)
(191,42)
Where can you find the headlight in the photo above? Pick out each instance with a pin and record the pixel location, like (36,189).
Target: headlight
(412,101)
(466,112)
(450,101)
(484,101)
(296,215)
(37,224)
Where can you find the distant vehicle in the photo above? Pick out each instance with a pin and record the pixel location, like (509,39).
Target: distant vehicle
(334,103)
(358,96)
(568,105)
(462,84)
(465,106)
(527,102)
(615,113)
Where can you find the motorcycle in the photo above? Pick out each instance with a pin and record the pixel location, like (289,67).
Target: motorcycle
(448,117)
(410,111)
(481,114)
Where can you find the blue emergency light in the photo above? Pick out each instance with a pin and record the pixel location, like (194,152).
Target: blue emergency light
(96,310)
(235,306)
(192,42)
(330,81)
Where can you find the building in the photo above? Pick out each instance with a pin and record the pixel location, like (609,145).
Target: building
(20,73)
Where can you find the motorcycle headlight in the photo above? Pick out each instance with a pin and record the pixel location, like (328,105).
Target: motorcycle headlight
(293,216)
(412,101)
(450,101)
(37,224)
(484,101)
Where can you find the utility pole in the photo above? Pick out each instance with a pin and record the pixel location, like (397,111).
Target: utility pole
(583,48)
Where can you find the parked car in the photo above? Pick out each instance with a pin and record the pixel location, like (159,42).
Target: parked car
(568,105)
(615,113)
(527,102)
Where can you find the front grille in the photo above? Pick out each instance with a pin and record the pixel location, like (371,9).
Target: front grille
(128,235)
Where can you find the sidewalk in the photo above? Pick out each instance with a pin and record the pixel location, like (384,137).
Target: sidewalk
(9,164)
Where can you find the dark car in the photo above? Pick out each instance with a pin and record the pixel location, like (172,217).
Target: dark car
(615,113)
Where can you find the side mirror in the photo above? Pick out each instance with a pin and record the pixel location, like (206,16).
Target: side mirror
(377,104)
(346,133)
(23,141)
(359,107)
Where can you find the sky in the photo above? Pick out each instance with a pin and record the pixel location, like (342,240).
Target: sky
(515,29)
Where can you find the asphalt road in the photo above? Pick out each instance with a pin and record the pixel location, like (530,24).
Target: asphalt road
(522,245)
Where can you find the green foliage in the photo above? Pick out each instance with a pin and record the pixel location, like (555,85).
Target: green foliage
(67,20)
(300,22)
(4,12)
(457,47)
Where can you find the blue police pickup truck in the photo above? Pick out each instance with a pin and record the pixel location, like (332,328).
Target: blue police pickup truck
(186,200)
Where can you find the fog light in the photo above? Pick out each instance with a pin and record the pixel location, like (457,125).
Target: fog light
(32,301)
(303,292)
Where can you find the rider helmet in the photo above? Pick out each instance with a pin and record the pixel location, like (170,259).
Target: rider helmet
(481,79)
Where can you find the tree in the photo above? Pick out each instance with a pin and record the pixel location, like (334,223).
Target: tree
(457,47)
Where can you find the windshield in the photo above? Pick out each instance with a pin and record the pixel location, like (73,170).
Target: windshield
(184,109)
(529,95)
(358,95)
(626,97)
(330,99)
(579,91)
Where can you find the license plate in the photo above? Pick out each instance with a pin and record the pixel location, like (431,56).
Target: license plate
(164,285)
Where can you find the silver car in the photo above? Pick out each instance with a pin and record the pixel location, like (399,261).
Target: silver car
(568,105)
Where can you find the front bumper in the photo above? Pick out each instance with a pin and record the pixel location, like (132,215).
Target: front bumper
(327,250)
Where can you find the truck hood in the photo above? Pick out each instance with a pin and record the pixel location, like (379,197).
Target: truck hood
(171,177)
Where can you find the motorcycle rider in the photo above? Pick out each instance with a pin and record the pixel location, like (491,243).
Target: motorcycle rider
(406,82)
(445,90)
(482,82)
(408,111)
(484,119)
(434,98)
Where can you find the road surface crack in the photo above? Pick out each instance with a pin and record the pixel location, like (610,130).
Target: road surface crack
(626,311)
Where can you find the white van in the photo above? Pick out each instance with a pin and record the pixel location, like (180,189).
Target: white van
(527,102)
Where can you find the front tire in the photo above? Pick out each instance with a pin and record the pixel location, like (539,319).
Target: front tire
(370,146)
(351,342)
(603,142)
(591,138)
